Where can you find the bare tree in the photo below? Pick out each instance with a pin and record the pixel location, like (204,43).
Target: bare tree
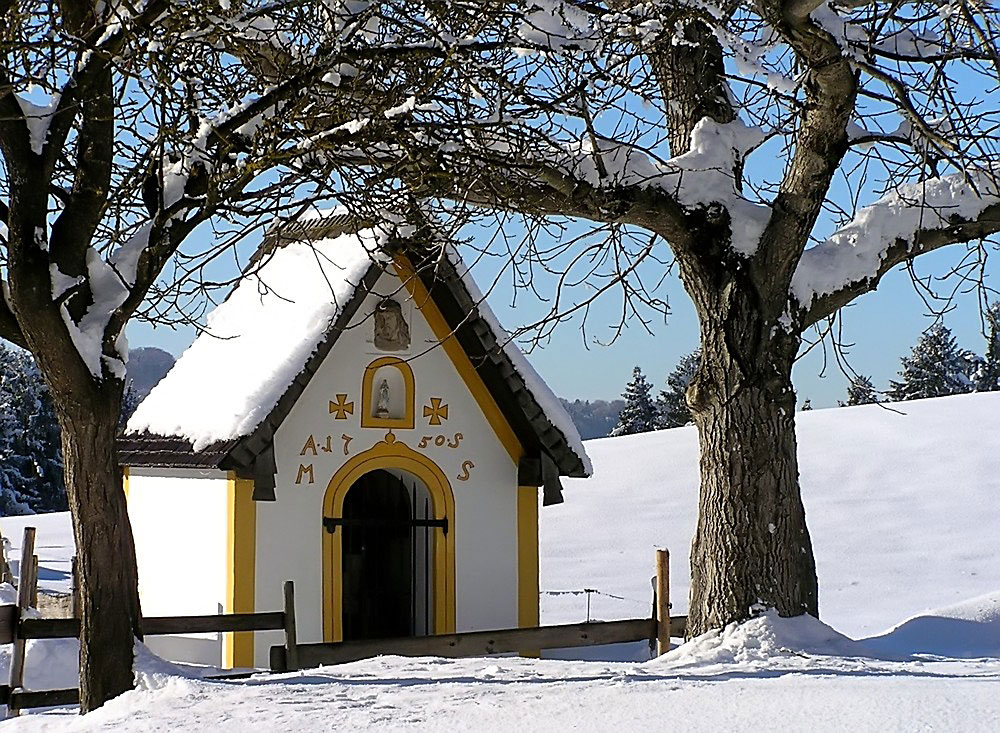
(784,154)
(124,127)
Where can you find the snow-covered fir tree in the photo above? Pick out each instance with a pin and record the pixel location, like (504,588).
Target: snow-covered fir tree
(639,414)
(130,400)
(860,391)
(935,367)
(672,402)
(31,472)
(987,375)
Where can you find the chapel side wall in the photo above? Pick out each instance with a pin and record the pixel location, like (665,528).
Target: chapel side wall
(180,523)
(289,530)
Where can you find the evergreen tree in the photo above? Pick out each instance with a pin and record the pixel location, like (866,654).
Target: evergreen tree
(593,418)
(935,367)
(807,405)
(31,473)
(987,377)
(639,414)
(860,391)
(130,401)
(672,402)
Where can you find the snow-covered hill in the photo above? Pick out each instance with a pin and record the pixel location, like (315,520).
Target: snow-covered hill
(902,506)
(903,503)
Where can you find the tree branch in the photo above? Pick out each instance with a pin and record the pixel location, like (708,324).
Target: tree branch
(830,87)
(954,230)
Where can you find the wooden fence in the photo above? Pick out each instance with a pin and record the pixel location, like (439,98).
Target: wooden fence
(16,628)
(657,629)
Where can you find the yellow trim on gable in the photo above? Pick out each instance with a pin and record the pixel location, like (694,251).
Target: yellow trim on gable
(125,474)
(370,421)
(527,556)
(444,334)
(389,454)
(241,561)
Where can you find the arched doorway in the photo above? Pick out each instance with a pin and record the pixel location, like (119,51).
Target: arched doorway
(416,470)
(386,556)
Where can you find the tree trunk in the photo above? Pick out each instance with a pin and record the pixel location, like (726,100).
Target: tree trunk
(751,548)
(108,578)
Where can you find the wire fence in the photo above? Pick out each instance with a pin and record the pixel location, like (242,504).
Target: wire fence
(590,592)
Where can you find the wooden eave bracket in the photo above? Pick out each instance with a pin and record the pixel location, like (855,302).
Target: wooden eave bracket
(541,471)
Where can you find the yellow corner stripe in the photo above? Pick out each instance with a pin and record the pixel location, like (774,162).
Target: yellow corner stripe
(527,556)
(241,555)
(444,334)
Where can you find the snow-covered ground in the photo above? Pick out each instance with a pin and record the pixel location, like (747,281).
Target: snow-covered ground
(769,674)
(902,503)
(904,518)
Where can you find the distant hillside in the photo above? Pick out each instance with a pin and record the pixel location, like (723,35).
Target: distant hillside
(594,419)
(901,503)
(147,365)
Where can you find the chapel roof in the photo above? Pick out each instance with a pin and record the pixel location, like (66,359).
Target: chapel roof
(222,402)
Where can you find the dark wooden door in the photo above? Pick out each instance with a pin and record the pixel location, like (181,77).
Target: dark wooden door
(377,557)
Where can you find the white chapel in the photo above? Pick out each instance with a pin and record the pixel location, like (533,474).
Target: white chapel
(353,419)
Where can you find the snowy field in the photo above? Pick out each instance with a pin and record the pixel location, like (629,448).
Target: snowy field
(904,520)
(902,504)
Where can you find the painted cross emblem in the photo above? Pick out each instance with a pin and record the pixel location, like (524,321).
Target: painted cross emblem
(341,408)
(436,411)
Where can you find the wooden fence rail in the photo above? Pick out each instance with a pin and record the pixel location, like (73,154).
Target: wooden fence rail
(69,628)
(17,629)
(476,643)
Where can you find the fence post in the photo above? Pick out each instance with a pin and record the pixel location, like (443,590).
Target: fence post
(34,581)
(662,602)
(5,575)
(291,643)
(25,582)
(75,570)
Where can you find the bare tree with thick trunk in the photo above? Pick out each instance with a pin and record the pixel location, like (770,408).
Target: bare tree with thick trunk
(787,152)
(748,143)
(124,127)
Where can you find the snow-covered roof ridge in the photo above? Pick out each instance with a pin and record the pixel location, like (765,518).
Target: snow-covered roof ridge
(258,340)
(230,384)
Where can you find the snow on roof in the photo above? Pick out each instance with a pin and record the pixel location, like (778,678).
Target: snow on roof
(257,341)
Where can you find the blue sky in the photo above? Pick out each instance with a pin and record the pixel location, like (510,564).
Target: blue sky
(882,326)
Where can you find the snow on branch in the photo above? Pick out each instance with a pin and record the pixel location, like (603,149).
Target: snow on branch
(109,293)
(703,176)
(858,252)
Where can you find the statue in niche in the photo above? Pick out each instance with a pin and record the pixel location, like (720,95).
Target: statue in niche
(382,403)
(391,330)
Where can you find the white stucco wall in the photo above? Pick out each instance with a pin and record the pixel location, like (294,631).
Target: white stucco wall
(290,531)
(179,521)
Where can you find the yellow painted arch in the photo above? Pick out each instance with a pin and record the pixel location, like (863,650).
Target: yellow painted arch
(390,454)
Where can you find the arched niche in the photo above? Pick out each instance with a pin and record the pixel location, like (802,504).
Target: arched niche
(387,394)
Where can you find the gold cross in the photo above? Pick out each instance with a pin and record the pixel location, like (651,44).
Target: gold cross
(436,411)
(341,407)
